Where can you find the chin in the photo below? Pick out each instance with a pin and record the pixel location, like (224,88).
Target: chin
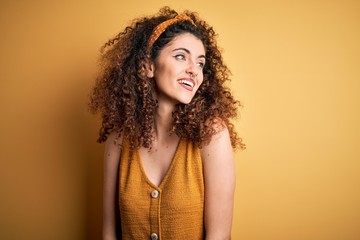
(185,98)
(185,101)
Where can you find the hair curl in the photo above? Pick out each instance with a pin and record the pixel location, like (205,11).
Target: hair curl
(124,97)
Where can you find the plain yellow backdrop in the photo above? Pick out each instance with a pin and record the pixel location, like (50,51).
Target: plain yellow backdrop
(295,67)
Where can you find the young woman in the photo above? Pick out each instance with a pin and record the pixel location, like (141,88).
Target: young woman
(169,165)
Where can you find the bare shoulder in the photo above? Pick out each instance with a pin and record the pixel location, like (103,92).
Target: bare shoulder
(218,156)
(219,143)
(113,144)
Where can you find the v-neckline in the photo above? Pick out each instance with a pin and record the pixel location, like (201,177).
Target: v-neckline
(166,176)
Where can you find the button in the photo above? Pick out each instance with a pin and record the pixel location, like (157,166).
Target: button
(154,236)
(155,194)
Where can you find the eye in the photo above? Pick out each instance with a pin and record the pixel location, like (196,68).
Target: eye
(180,56)
(201,64)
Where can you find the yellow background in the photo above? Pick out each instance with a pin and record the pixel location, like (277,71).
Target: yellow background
(296,69)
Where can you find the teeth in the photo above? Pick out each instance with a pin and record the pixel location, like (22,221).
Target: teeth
(183,81)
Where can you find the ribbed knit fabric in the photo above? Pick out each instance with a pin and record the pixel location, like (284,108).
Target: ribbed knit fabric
(175,209)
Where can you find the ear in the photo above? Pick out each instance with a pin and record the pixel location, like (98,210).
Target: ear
(149,68)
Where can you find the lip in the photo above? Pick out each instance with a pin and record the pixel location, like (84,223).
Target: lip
(189,88)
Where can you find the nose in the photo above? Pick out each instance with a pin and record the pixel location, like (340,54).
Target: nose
(192,70)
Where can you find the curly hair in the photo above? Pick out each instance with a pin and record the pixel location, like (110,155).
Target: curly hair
(124,95)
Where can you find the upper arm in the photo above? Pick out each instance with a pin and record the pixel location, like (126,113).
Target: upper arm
(111,160)
(111,164)
(219,177)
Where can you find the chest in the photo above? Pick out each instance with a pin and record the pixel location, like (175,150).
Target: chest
(157,161)
(174,209)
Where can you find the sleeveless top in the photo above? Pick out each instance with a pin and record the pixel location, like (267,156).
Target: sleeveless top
(174,209)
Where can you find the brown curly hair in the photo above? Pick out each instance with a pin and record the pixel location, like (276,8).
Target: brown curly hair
(124,95)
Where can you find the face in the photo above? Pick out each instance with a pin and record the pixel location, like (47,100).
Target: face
(178,69)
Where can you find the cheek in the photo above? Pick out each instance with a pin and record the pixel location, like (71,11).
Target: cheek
(201,79)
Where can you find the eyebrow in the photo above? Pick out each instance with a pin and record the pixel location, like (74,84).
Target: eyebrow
(187,51)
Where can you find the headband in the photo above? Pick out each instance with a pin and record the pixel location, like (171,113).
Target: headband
(159,29)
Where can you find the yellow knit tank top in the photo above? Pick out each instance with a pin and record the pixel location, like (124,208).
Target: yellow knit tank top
(174,209)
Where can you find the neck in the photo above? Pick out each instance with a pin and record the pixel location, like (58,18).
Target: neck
(163,120)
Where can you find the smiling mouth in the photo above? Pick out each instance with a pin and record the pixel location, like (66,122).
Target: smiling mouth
(187,83)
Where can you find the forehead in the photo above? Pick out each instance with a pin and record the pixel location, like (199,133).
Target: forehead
(188,41)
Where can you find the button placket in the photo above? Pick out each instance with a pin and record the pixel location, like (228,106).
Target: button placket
(155,199)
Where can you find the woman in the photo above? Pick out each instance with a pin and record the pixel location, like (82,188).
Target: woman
(169,165)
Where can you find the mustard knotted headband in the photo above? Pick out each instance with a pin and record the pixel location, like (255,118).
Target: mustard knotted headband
(159,29)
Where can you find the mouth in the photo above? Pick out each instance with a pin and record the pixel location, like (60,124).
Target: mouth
(187,83)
